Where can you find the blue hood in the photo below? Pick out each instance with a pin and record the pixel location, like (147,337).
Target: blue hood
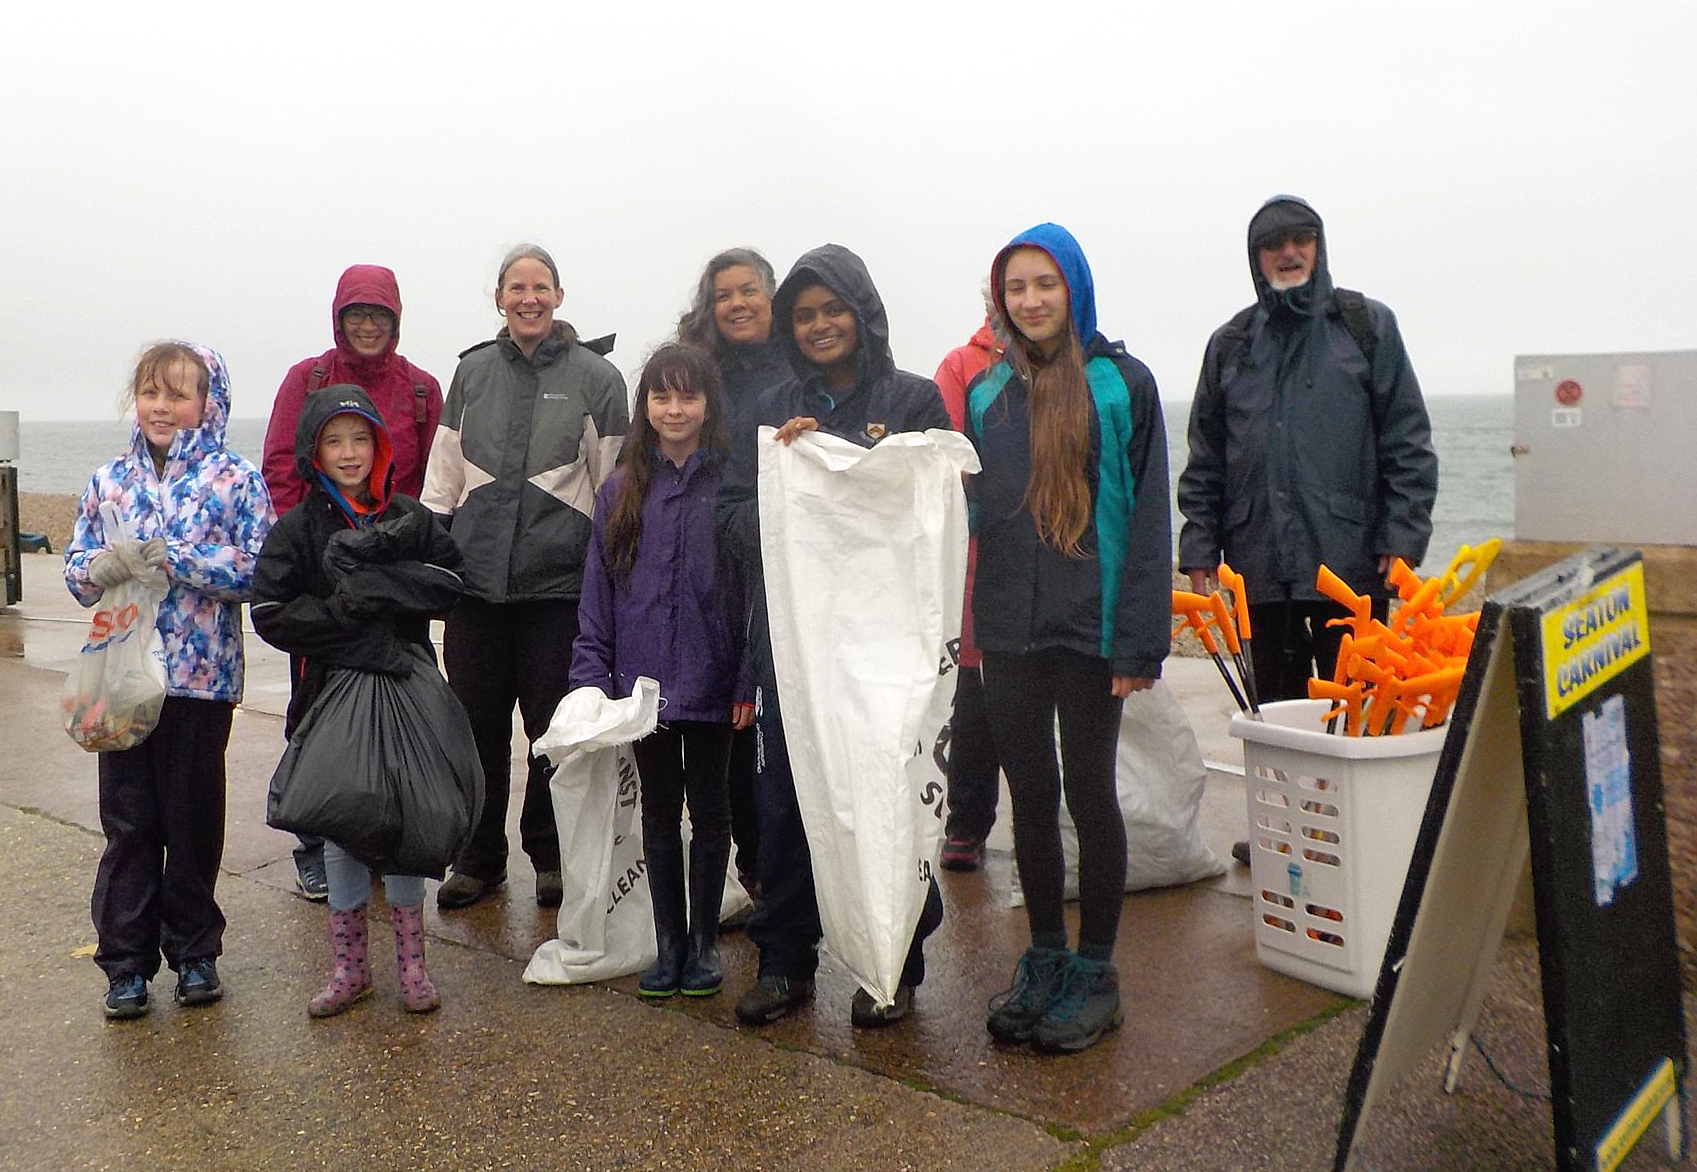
(1075,270)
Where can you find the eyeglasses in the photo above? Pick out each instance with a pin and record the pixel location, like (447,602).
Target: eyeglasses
(355,315)
(1301,237)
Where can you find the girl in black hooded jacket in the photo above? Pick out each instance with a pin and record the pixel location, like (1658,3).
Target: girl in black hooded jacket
(404,569)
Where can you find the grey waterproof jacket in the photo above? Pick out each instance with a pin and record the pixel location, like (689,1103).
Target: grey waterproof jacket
(1299,455)
(522,447)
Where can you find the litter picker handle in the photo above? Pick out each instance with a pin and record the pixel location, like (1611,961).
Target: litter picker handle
(1233,581)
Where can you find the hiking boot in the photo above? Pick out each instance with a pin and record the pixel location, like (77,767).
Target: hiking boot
(197,982)
(550,889)
(865,1014)
(126,996)
(1240,851)
(1036,983)
(350,973)
(1087,1007)
(962,852)
(772,997)
(462,890)
(310,881)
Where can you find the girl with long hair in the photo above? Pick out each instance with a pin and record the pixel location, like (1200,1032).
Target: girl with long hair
(659,601)
(1070,608)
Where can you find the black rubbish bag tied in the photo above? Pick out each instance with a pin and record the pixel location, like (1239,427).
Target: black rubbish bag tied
(386,768)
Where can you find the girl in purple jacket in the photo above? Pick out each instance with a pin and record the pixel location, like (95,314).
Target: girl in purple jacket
(659,601)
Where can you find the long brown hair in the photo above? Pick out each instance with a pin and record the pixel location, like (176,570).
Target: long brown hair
(682,368)
(1058,492)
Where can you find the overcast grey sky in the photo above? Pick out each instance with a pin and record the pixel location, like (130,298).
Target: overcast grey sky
(1511,177)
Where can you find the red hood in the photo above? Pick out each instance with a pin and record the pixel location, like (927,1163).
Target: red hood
(366,285)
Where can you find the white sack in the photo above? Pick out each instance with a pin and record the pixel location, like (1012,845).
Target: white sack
(606,920)
(1160,777)
(865,562)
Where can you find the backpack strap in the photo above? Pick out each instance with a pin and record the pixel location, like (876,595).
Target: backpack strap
(317,378)
(420,421)
(1232,345)
(1352,311)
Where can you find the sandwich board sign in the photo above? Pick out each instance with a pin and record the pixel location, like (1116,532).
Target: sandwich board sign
(1551,760)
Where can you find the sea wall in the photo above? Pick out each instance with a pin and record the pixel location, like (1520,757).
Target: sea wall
(1670,583)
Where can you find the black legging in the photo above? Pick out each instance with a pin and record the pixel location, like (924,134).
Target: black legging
(1024,695)
(685,758)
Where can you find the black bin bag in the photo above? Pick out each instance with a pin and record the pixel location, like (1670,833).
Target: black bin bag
(385,767)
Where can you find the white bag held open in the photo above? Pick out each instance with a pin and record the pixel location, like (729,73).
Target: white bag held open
(865,565)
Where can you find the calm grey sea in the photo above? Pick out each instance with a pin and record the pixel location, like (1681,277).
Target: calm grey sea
(1471,432)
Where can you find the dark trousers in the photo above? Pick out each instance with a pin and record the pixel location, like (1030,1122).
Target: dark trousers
(745,818)
(498,654)
(786,925)
(678,759)
(1291,642)
(1025,694)
(973,768)
(162,809)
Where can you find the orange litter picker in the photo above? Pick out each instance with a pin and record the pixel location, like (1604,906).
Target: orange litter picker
(1194,610)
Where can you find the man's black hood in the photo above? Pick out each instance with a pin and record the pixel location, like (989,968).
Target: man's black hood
(844,273)
(1283,213)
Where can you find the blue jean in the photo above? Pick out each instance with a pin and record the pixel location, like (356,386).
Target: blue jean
(350,882)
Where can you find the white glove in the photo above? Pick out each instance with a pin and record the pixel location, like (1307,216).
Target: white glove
(153,552)
(106,570)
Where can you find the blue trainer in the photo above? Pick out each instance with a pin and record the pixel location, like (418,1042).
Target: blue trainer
(197,982)
(126,996)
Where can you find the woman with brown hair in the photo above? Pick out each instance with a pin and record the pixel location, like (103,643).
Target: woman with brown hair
(1070,608)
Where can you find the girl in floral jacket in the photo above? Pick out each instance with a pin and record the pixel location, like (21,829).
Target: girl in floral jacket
(202,513)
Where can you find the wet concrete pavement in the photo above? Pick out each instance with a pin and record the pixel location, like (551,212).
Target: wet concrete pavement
(1221,1063)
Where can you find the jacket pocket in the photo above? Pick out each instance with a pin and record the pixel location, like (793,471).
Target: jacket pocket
(1348,508)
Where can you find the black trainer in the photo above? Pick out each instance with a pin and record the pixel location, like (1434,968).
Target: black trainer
(1036,982)
(126,996)
(772,997)
(197,982)
(865,1014)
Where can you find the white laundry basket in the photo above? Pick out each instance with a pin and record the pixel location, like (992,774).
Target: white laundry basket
(1332,823)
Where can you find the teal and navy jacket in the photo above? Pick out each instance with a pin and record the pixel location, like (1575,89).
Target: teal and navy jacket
(1113,603)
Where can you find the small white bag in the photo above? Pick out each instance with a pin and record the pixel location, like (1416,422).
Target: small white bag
(606,920)
(116,688)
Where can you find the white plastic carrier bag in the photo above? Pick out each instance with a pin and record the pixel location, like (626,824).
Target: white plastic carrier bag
(1160,777)
(865,562)
(605,926)
(116,688)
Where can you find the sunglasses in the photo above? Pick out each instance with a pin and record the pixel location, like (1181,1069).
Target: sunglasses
(1301,237)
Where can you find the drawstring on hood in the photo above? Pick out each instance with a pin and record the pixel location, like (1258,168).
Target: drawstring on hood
(319,409)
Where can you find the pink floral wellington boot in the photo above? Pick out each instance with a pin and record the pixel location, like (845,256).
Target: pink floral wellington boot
(418,994)
(351,978)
